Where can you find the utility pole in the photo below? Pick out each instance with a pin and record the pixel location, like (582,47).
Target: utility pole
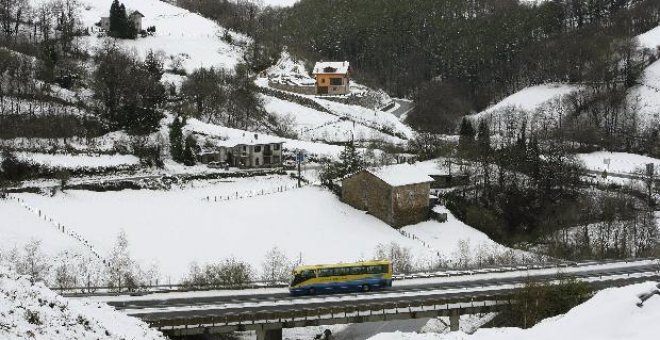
(298,158)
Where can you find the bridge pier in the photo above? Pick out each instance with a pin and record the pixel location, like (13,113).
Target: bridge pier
(454,320)
(269,334)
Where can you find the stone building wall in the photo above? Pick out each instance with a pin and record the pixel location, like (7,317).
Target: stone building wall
(396,206)
(410,204)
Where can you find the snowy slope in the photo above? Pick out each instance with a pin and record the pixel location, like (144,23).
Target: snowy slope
(34,312)
(611,314)
(645,97)
(455,239)
(650,39)
(528,99)
(311,124)
(179,33)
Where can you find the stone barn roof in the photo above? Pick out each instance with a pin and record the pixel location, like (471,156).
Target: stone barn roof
(400,174)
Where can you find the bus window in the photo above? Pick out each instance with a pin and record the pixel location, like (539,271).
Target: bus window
(341,271)
(384,269)
(376,269)
(325,272)
(357,270)
(303,276)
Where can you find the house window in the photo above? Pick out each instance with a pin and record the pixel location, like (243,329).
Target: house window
(336,81)
(256,161)
(257,148)
(276,147)
(322,80)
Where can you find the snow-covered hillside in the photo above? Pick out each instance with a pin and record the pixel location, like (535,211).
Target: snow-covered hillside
(528,102)
(180,226)
(186,38)
(611,314)
(32,311)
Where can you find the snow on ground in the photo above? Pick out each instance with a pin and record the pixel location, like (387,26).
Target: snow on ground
(276,3)
(179,226)
(32,311)
(456,240)
(528,99)
(66,161)
(366,116)
(645,97)
(611,314)
(18,226)
(311,124)
(650,39)
(619,162)
(183,35)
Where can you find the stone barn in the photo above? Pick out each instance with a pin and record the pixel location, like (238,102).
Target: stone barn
(396,194)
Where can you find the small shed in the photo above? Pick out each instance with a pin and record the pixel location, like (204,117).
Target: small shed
(396,194)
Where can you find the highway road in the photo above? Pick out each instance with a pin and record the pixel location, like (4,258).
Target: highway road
(162,307)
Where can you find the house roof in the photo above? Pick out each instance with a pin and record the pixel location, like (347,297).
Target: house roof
(249,139)
(331,67)
(400,174)
(137,13)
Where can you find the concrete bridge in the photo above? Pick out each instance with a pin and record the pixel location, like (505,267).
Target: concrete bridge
(207,315)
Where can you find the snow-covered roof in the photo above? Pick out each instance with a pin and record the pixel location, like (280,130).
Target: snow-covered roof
(249,139)
(137,13)
(331,67)
(400,174)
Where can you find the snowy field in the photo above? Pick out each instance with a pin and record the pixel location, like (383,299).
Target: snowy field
(619,162)
(19,226)
(611,314)
(176,227)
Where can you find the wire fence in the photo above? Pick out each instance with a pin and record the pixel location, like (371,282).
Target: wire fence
(68,231)
(253,193)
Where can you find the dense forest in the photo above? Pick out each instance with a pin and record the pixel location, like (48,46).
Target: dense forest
(453,56)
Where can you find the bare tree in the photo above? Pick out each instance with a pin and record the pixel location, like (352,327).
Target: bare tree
(33,262)
(276,266)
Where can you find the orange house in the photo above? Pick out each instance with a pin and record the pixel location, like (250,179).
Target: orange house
(332,78)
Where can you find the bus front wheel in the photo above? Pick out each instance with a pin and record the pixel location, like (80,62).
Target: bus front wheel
(365,288)
(311,291)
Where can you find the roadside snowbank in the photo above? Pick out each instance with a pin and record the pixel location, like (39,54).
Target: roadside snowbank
(32,311)
(611,314)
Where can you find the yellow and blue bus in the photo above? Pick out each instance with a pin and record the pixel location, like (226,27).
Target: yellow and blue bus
(326,278)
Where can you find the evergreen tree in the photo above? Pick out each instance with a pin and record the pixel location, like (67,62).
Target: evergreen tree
(466,138)
(120,26)
(189,150)
(483,139)
(176,140)
(351,160)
